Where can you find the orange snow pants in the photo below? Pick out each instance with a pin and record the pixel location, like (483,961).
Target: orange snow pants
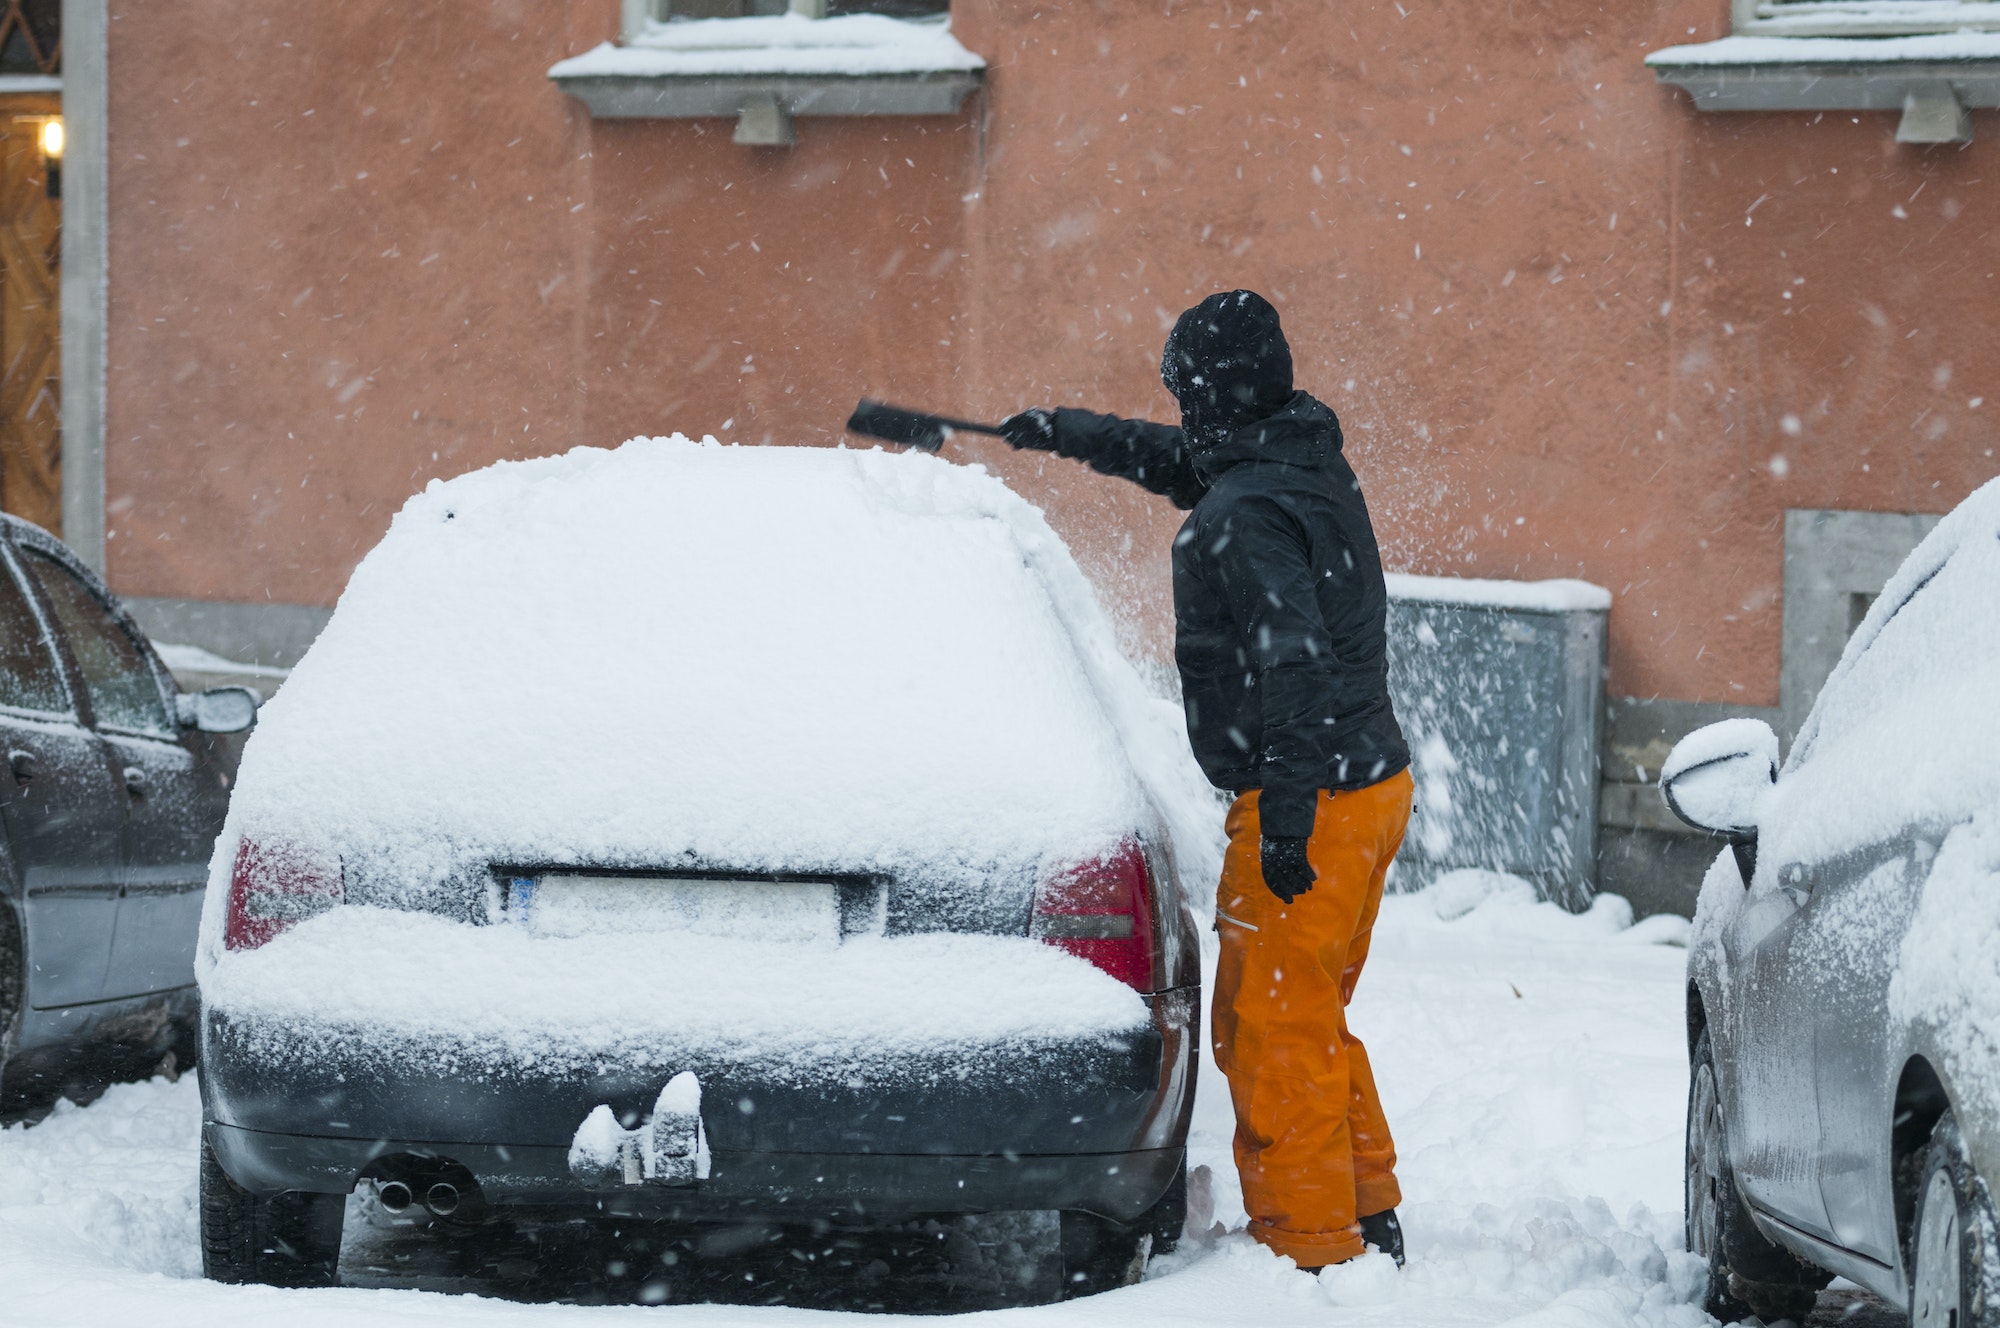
(1311,1144)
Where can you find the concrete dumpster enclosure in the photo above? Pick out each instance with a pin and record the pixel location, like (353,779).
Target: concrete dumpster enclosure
(1499,688)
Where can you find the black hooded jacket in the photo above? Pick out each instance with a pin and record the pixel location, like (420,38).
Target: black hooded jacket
(1279,603)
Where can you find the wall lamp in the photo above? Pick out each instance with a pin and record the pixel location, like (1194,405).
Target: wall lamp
(51,138)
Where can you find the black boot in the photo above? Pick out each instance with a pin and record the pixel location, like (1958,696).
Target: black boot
(1385,1233)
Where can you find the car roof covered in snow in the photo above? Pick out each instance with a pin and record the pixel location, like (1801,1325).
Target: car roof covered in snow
(684,653)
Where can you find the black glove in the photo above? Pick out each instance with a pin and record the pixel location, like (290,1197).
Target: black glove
(1287,871)
(1033,429)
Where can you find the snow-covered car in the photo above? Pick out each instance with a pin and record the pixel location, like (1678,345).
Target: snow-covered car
(110,805)
(1844,973)
(713,834)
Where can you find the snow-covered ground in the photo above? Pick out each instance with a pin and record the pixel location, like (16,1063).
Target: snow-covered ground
(1531,1062)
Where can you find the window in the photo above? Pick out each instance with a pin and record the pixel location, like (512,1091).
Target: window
(30,36)
(671,9)
(119,680)
(1863,18)
(27,671)
(1933,60)
(764,63)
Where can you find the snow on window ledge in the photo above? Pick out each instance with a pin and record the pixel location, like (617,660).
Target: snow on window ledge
(1862,18)
(767,70)
(1934,79)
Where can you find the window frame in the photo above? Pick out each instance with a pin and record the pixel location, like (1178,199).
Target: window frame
(1861,18)
(767,72)
(30,541)
(635,16)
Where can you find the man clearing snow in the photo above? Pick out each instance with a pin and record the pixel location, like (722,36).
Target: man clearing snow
(1279,609)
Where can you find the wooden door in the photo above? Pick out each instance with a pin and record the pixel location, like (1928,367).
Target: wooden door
(30,317)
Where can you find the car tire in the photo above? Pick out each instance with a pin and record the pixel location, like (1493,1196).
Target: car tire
(186,1049)
(290,1240)
(1954,1276)
(1748,1275)
(1167,1219)
(1099,1254)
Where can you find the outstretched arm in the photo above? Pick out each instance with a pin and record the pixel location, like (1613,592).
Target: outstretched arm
(1154,456)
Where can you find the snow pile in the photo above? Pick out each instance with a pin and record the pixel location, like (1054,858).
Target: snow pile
(600,1143)
(1554,596)
(647,999)
(1368,1280)
(1506,904)
(1905,730)
(91,1192)
(1457,892)
(671,1146)
(851,45)
(1832,50)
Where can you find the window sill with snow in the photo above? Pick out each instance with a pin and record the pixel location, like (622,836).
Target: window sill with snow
(1933,60)
(762,72)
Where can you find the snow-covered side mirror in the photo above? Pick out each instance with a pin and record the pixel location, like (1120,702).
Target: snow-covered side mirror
(1718,778)
(218,710)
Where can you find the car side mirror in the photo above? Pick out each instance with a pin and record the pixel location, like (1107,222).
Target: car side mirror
(218,710)
(1719,778)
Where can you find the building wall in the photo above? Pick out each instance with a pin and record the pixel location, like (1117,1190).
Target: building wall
(1573,327)
(343,261)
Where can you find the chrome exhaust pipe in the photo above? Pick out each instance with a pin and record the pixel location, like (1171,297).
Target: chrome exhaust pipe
(394,1196)
(442,1199)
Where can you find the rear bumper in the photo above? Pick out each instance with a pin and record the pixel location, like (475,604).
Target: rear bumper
(846,1187)
(1097,1126)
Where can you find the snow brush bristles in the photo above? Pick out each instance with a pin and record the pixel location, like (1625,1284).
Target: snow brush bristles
(911,428)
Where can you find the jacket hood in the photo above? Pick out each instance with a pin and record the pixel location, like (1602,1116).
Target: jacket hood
(1302,432)
(1228,364)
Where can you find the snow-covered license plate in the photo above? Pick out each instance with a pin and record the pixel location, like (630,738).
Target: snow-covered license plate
(575,905)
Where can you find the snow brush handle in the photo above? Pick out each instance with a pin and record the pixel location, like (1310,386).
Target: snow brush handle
(911,428)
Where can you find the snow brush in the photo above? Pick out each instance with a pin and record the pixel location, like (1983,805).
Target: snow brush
(911,428)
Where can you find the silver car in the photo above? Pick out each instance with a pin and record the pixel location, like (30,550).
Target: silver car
(1843,972)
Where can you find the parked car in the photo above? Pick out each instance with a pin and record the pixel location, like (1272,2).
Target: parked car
(112,797)
(712,835)
(1844,1111)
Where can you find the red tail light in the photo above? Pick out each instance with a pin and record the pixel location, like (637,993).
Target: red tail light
(274,886)
(1102,911)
